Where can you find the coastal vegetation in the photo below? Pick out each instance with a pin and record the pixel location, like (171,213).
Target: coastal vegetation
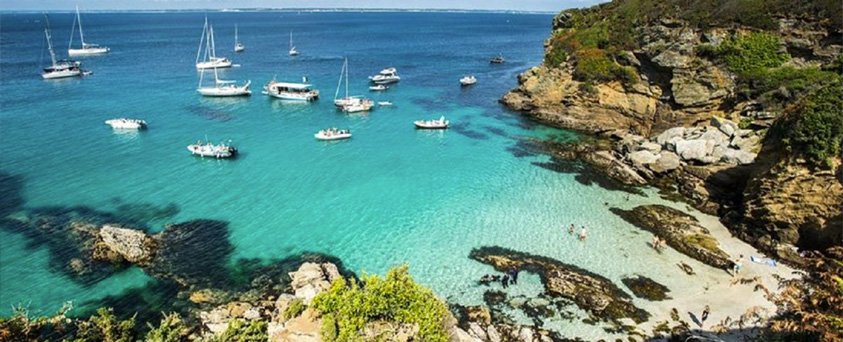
(348,306)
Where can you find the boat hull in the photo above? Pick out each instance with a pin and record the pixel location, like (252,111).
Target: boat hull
(224,92)
(61,74)
(126,124)
(88,51)
(228,152)
(332,137)
(212,65)
(424,125)
(293,97)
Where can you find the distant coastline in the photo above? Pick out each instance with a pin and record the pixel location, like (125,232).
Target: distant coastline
(284,9)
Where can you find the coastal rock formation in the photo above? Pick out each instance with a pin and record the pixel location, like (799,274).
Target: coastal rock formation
(681,231)
(587,290)
(643,287)
(132,245)
(312,278)
(689,98)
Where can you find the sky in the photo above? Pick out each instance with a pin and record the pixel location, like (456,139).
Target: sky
(520,5)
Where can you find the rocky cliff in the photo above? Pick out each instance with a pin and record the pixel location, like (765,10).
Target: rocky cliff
(689,94)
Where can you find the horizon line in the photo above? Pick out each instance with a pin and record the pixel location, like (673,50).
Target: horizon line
(291,9)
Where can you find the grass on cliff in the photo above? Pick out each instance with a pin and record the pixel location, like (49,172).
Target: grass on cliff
(348,307)
(813,127)
(748,53)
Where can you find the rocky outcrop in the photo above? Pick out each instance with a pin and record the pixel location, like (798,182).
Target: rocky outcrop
(643,287)
(681,231)
(587,290)
(132,245)
(312,278)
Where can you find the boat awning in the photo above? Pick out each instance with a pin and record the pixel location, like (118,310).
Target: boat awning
(297,86)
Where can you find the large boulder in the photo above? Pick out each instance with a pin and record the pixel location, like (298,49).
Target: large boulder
(739,157)
(642,158)
(695,149)
(670,135)
(667,161)
(133,245)
(312,278)
(303,328)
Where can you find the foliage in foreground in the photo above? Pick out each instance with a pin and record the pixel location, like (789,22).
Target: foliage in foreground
(811,308)
(347,307)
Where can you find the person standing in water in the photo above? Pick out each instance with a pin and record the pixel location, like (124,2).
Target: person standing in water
(704,316)
(582,234)
(571,229)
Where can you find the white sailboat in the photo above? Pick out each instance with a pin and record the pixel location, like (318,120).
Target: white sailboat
(346,101)
(209,59)
(221,87)
(238,47)
(87,49)
(60,68)
(293,51)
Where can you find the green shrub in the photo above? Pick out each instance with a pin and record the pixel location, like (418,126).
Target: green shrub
(396,297)
(593,65)
(171,329)
(21,328)
(240,331)
(792,80)
(295,308)
(745,123)
(105,327)
(814,127)
(751,52)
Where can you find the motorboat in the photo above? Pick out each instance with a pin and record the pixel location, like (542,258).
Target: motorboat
(124,123)
(468,80)
(209,59)
(378,87)
(386,76)
(362,106)
(293,51)
(291,91)
(333,134)
(210,150)
(432,124)
(87,49)
(348,101)
(60,68)
(238,47)
(384,103)
(497,60)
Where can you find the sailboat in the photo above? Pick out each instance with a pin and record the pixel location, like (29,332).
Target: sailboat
(238,47)
(87,48)
(221,87)
(293,51)
(60,68)
(350,104)
(209,59)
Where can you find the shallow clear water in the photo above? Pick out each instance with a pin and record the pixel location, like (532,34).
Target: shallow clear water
(390,195)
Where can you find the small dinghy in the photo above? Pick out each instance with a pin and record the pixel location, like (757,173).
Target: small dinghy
(124,123)
(333,134)
(384,103)
(468,80)
(432,124)
(210,150)
(378,87)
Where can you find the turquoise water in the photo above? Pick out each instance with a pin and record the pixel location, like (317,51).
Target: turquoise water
(390,195)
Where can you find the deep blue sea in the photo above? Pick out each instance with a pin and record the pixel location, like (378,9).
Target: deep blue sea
(390,195)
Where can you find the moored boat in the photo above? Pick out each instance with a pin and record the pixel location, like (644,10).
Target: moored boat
(87,49)
(378,87)
(497,60)
(238,47)
(348,103)
(361,106)
(209,59)
(293,51)
(384,103)
(468,80)
(291,91)
(386,76)
(60,68)
(432,124)
(333,134)
(124,123)
(210,150)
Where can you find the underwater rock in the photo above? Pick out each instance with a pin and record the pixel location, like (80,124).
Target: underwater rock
(132,245)
(643,287)
(587,290)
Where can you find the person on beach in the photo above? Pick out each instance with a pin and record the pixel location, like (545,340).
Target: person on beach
(736,268)
(655,242)
(704,316)
(505,281)
(582,234)
(571,229)
(514,274)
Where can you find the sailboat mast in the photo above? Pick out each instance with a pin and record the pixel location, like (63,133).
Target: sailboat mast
(339,81)
(202,40)
(211,39)
(49,39)
(236,39)
(346,77)
(291,39)
(79,20)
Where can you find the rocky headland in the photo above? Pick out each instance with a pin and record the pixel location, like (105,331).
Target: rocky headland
(736,108)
